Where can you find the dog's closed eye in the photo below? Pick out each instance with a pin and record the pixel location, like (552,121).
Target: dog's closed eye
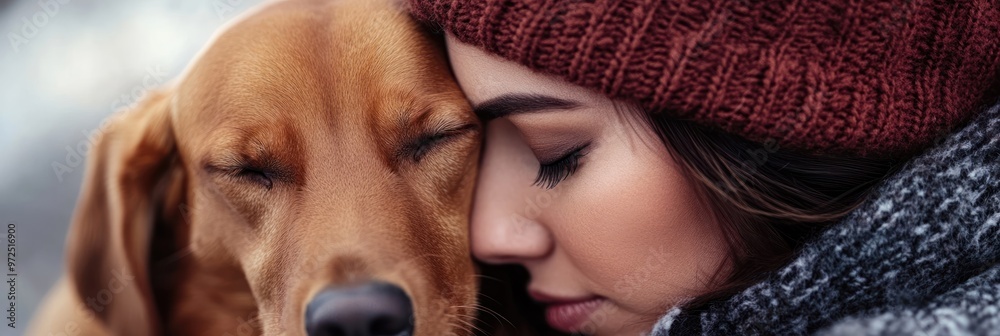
(263,174)
(255,175)
(418,148)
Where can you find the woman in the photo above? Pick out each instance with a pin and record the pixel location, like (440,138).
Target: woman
(747,167)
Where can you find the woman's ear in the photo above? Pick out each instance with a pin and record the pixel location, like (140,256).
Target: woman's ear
(108,244)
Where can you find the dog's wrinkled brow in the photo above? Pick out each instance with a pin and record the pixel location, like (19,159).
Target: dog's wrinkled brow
(432,114)
(274,150)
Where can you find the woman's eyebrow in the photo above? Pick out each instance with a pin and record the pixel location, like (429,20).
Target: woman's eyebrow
(515,103)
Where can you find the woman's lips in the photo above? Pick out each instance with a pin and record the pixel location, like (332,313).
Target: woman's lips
(567,315)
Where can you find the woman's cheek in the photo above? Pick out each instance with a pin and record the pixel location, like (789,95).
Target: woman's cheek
(638,231)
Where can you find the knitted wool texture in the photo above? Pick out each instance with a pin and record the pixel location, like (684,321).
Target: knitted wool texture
(920,257)
(864,78)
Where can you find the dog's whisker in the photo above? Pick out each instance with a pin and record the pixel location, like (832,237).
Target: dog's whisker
(459,328)
(469,326)
(490,298)
(487,277)
(492,312)
(499,318)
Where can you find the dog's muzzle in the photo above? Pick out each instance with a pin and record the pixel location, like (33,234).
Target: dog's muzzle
(367,309)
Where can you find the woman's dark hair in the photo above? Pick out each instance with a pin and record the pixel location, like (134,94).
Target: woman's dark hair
(767,200)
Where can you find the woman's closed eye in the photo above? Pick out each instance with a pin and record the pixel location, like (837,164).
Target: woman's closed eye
(550,173)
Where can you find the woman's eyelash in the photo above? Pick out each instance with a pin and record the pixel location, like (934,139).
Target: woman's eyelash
(550,174)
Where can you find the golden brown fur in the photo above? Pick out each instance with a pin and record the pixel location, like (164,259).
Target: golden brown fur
(313,143)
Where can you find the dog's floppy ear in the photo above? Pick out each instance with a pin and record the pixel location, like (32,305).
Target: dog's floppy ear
(108,244)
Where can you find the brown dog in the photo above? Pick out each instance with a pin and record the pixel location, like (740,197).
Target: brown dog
(310,173)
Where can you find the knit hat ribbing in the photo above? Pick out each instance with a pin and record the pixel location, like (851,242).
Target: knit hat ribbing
(841,77)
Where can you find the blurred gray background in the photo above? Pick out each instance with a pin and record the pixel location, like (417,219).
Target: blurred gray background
(65,65)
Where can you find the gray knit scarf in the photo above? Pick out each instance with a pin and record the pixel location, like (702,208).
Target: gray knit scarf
(920,256)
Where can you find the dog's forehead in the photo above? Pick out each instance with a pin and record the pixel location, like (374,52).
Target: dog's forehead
(316,67)
(300,51)
(348,38)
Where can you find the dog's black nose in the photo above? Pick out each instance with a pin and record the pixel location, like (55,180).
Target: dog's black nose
(368,309)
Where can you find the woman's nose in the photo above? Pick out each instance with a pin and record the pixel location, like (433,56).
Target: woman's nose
(509,239)
(505,227)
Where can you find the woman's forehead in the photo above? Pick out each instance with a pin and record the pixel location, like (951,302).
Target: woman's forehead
(484,76)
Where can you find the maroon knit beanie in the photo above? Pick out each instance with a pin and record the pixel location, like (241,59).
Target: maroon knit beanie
(864,78)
